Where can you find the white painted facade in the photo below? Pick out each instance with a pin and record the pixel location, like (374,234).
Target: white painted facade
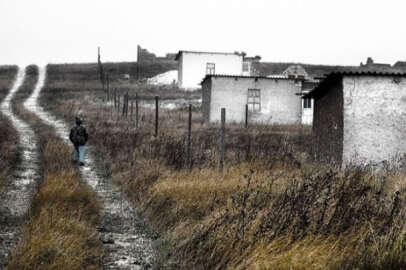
(192,66)
(374,119)
(279,100)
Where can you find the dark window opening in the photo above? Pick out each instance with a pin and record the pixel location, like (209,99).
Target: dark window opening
(307,103)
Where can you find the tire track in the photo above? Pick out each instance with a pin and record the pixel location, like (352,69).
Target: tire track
(127,240)
(20,187)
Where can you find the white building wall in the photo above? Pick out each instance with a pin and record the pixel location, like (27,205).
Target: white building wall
(280,102)
(374,119)
(193,67)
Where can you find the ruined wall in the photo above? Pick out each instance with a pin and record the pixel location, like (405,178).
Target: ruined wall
(144,56)
(374,119)
(328,124)
(280,103)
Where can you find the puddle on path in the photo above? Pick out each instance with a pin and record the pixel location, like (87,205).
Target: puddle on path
(21,185)
(128,241)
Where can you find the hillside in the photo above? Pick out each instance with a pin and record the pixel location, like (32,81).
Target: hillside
(89,71)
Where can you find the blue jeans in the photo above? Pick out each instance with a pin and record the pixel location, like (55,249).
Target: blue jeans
(79,153)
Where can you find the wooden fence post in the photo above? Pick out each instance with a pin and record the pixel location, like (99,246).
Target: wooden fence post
(246,115)
(189,137)
(118,105)
(103,84)
(136,111)
(115,99)
(123,111)
(222,139)
(132,109)
(108,87)
(156,115)
(128,105)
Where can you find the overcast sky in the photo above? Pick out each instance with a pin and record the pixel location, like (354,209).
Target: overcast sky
(310,31)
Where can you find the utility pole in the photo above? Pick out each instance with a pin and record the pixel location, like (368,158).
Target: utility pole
(101,71)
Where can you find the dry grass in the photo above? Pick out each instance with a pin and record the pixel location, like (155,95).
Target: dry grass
(280,217)
(60,232)
(272,207)
(8,135)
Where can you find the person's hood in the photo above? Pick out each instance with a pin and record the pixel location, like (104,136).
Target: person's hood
(78,121)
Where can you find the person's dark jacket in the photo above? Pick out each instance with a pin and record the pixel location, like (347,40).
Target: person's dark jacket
(78,135)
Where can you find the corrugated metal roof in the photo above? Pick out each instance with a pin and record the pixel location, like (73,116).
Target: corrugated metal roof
(246,77)
(277,76)
(366,73)
(339,74)
(223,53)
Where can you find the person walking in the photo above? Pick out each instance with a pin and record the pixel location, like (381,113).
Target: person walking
(78,136)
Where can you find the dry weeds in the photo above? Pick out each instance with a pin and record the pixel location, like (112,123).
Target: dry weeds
(272,208)
(61,229)
(8,135)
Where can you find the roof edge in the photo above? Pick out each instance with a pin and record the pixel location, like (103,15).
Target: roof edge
(205,52)
(247,77)
(340,74)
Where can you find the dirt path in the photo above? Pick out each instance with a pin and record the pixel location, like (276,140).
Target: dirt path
(127,239)
(21,185)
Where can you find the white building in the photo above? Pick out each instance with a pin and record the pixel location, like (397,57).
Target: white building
(194,66)
(269,100)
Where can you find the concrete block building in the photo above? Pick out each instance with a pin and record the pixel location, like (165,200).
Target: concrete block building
(360,117)
(269,100)
(297,71)
(194,66)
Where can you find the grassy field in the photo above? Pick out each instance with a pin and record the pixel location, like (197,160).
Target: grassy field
(60,231)
(8,135)
(271,208)
(89,72)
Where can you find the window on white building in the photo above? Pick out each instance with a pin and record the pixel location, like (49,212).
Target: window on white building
(307,103)
(254,100)
(210,68)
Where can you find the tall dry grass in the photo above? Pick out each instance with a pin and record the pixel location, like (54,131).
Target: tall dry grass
(60,232)
(272,207)
(8,135)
